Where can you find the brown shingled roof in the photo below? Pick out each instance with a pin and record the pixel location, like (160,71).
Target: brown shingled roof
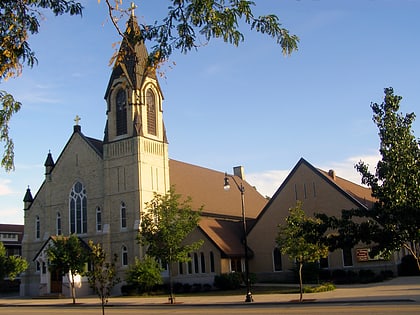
(205,187)
(225,235)
(358,192)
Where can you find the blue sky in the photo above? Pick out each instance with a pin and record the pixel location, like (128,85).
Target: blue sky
(227,106)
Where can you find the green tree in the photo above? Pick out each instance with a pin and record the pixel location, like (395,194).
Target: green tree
(186,26)
(166,223)
(18,20)
(394,220)
(102,275)
(68,256)
(145,274)
(301,239)
(11,266)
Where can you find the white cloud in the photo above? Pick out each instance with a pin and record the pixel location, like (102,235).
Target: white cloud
(267,182)
(5,187)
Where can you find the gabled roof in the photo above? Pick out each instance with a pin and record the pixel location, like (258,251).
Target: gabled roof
(225,235)
(359,195)
(205,187)
(362,194)
(53,238)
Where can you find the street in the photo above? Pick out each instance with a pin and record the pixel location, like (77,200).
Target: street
(246,309)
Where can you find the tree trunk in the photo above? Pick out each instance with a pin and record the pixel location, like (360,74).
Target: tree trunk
(171,285)
(300,281)
(73,289)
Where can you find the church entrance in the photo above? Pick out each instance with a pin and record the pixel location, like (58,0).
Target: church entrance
(56,281)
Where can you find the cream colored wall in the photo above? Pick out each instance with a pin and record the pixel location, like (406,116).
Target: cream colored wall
(320,196)
(77,163)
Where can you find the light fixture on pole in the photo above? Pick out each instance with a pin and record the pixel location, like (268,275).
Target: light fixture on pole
(241,188)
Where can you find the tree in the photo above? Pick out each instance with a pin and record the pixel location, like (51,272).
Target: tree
(184,27)
(68,256)
(394,220)
(145,274)
(11,266)
(166,223)
(301,239)
(102,274)
(18,20)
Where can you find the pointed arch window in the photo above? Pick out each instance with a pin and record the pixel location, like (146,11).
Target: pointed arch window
(212,267)
(78,209)
(121,112)
(124,256)
(58,224)
(37,228)
(123,212)
(98,219)
(277,259)
(151,112)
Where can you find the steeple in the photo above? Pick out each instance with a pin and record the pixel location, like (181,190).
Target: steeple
(133,95)
(27,199)
(49,165)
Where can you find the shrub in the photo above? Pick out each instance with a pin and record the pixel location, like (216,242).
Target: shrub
(320,288)
(228,281)
(144,274)
(408,266)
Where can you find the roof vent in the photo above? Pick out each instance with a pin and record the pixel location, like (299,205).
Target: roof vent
(331,173)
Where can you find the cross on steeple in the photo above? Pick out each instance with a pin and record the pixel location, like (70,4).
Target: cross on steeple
(77,119)
(132,8)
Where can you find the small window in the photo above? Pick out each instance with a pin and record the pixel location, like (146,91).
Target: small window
(189,264)
(58,224)
(203,263)
(121,112)
(212,269)
(347,257)
(277,259)
(98,219)
(196,270)
(123,211)
(181,268)
(37,228)
(124,256)
(323,263)
(151,112)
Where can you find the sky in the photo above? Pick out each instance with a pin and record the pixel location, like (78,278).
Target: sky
(224,105)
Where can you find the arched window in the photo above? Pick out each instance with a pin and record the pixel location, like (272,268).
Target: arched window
(196,263)
(151,112)
(189,264)
(124,256)
(121,112)
(37,228)
(123,212)
(58,224)
(212,269)
(203,263)
(78,209)
(277,259)
(98,219)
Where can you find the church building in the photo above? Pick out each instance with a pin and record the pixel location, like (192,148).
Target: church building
(97,189)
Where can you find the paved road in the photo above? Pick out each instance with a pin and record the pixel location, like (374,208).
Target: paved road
(397,296)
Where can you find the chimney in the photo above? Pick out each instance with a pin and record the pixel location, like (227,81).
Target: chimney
(239,171)
(331,173)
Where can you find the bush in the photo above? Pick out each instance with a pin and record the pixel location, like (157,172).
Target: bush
(144,274)
(408,266)
(367,276)
(228,281)
(320,288)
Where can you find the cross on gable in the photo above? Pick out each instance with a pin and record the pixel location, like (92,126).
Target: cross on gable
(77,119)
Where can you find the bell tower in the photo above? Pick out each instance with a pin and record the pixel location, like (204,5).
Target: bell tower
(135,144)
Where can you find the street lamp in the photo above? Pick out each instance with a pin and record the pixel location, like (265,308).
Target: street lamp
(241,188)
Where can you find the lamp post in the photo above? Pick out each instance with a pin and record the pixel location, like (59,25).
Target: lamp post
(241,188)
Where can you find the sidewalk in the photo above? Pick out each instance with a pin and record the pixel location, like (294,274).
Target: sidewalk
(404,289)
